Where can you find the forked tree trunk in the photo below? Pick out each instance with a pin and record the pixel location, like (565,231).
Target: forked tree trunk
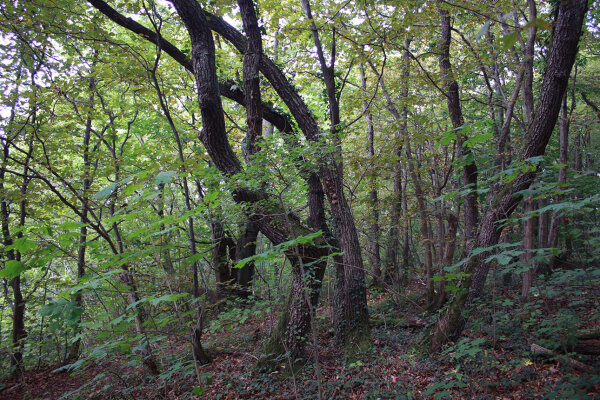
(355,332)
(275,223)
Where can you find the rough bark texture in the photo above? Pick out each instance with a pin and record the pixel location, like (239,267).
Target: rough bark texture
(454,108)
(276,224)
(354,332)
(505,199)
(246,247)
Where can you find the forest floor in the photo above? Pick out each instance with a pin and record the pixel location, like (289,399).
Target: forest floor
(491,361)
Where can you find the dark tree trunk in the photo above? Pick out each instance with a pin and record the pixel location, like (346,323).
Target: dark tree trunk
(355,331)
(246,247)
(374,203)
(454,108)
(223,245)
(276,224)
(506,198)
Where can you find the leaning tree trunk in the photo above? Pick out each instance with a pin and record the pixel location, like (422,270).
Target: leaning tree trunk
(506,198)
(273,221)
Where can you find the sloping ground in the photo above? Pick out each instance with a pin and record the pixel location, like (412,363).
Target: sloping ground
(492,361)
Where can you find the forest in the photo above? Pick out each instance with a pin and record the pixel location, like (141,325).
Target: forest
(334,199)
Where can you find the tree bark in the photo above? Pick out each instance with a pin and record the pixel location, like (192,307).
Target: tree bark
(528,227)
(470,172)
(507,197)
(374,203)
(355,332)
(274,222)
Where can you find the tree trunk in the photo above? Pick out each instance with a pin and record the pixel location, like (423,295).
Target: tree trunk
(470,172)
(374,203)
(557,220)
(355,333)
(506,198)
(450,246)
(246,247)
(528,227)
(274,222)
(81,250)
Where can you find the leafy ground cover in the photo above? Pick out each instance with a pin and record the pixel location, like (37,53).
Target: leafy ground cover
(492,359)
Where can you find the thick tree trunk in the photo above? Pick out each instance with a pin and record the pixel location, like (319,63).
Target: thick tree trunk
(355,331)
(275,223)
(506,198)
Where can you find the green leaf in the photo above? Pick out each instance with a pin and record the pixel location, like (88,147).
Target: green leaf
(483,30)
(105,193)
(198,390)
(509,40)
(12,269)
(164,177)
(23,245)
